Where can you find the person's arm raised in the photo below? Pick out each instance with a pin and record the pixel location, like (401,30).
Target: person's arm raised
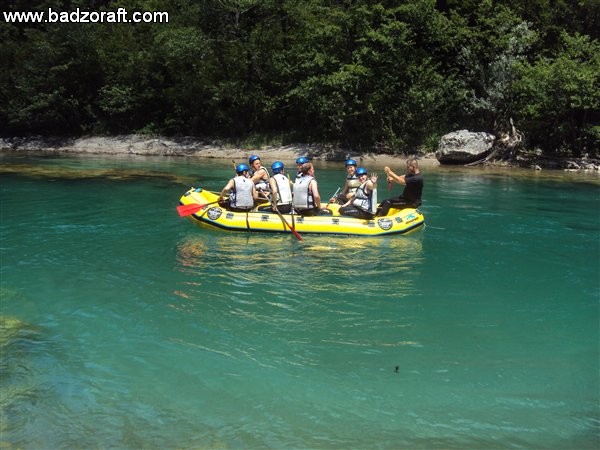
(391,176)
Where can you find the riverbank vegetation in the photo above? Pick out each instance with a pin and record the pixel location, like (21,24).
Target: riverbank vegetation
(391,76)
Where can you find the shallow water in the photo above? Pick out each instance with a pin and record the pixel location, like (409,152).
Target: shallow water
(125,326)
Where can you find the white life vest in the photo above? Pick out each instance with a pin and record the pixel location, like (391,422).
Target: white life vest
(303,198)
(362,200)
(241,195)
(284,192)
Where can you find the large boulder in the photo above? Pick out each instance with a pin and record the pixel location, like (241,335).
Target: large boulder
(463,147)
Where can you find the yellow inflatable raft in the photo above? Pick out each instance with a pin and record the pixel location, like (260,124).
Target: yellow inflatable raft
(201,207)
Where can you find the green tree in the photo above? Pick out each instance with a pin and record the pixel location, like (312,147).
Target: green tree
(368,77)
(48,81)
(559,98)
(394,75)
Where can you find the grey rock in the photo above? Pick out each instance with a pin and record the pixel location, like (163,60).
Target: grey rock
(463,147)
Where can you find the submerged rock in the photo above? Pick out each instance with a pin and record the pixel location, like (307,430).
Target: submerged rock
(10,327)
(16,369)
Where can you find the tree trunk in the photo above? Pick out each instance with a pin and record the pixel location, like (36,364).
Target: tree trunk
(505,147)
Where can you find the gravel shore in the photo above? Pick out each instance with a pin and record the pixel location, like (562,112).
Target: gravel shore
(192,147)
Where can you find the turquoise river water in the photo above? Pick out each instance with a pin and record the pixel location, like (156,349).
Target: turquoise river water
(126,326)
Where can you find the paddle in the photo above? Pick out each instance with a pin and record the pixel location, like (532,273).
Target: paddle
(333,196)
(374,201)
(289,226)
(187,210)
(265,195)
(293,213)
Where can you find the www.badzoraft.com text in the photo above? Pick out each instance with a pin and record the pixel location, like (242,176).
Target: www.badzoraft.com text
(121,15)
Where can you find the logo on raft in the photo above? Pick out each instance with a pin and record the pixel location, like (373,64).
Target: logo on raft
(385,224)
(411,218)
(214,213)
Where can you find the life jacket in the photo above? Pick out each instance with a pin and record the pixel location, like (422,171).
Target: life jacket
(241,195)
(353,183)
(284,192)
(303,198)
(262,184)
(364,201)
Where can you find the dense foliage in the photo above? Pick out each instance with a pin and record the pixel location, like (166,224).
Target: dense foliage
(391,75)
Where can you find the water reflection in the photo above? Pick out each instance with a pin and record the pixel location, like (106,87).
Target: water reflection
(248,258)
(335,292)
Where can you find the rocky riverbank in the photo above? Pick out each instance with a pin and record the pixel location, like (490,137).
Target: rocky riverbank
(138,145)
(192,147)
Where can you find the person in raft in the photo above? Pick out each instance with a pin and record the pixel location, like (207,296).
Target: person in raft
(360,203)
(241,189)
(259,175)
(306,198)
(301,160)
(350,185)
(281,191)
(413,188)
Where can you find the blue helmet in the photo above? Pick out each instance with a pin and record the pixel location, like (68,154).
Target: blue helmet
(277,167)
(361,171)
(240,168)
(350,162)
(302,160)
(253,158)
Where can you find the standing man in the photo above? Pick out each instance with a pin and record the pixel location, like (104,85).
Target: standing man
(413,188)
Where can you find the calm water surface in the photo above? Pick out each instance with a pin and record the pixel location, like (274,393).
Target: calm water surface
(125,326)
